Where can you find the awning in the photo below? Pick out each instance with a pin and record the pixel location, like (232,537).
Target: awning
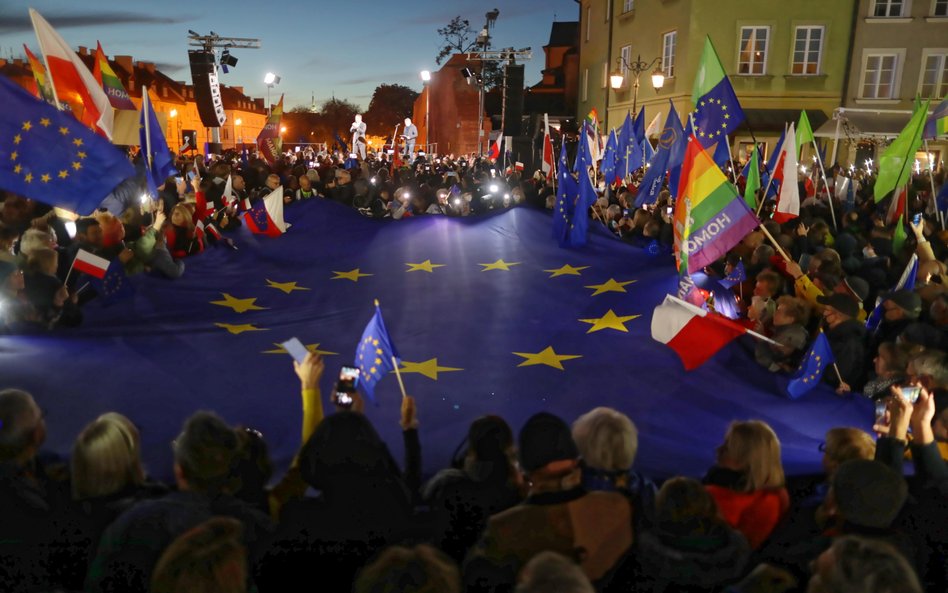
(774,120)
(865,122)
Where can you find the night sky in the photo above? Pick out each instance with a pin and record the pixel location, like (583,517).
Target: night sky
(317,47)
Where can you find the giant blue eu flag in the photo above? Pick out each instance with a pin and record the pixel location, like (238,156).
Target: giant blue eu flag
(49,156)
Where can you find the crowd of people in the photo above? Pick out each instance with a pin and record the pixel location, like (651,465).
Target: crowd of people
(559,506)
(554,507)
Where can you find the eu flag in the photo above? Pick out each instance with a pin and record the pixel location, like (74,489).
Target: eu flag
(811,369)
(375,353)
(49,156)
(587,197)
(566,192)
(159,164)
(737,275)
(114,286)
(651,184)
(609,159)
(717,111)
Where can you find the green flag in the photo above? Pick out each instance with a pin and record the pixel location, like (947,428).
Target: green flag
(895,164)
(898,236)
(804,132)
(753,180)
(917,103)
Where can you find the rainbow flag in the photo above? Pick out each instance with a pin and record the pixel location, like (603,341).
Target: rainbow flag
(937,123)
(269,142)
(713,218)
(111,84)
(43,90)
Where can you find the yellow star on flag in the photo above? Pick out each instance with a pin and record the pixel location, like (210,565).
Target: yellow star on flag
(610,286)
(17,169)
(311,347)
(17,139)
(547,356)
(286,287)
(238,305)
(45,177)
(77,141)
(64,130)
(14,155)
(609,321)
(28,178)
(499,265)
(425,266)
(27,126)
(77,165)
(566,270)
(63,174)
(45,122)
(353,275)
(428,368)
(239,329)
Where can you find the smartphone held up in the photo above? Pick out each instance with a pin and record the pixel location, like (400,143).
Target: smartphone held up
(346,386)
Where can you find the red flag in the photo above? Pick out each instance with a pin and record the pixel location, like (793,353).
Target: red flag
(71,79)
(548,163)
(693,333)
(494,153)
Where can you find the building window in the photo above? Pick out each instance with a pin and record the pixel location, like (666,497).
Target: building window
(939,7)
(585,84)
(626,53)
(807,50)
(628,6)
(934,80)
(878,76)
(888,8)
(669,40)
(226,133)
(753,51)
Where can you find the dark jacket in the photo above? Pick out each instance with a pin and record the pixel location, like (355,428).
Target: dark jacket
(132,545)
(848,343)
(681,563)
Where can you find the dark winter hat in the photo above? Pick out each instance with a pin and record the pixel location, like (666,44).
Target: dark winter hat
(489,437)
(921,334)
(858,287)
(869,493)
(545,438)
(907,300)
(843,303)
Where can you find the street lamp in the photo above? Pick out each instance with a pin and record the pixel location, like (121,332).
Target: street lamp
(617,79)
(426,78)
(271,80)
(173,114)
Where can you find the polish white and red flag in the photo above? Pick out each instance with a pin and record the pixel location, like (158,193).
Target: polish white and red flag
(692,332)
(73,82)
(91,264)
(548,164)
(788,200)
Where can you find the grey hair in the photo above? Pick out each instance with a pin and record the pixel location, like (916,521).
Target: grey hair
(550,572)
(864,564)
(33,240)
(934,364)
(607,439)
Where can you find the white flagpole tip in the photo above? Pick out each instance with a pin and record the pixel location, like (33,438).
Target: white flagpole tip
(376,302)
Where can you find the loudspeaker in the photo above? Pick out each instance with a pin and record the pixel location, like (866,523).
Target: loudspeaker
(207,91)
(513,100)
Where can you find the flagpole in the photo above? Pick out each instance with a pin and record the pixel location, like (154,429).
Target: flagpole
(49,73)
(931,179)
(730,160)
(776,245)
(829,196)
(145,117)
(770,175)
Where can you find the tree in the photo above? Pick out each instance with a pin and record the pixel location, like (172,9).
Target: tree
(390,104)
(458,38)
(338,114)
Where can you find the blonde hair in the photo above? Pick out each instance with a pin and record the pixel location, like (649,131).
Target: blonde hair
(607,439)
(844,444)
(34,240)
(106,457)
(754,447)
(43,260)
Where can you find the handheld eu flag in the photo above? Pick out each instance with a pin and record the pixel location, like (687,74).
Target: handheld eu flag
(49,156)
(811,369)
(376,354)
